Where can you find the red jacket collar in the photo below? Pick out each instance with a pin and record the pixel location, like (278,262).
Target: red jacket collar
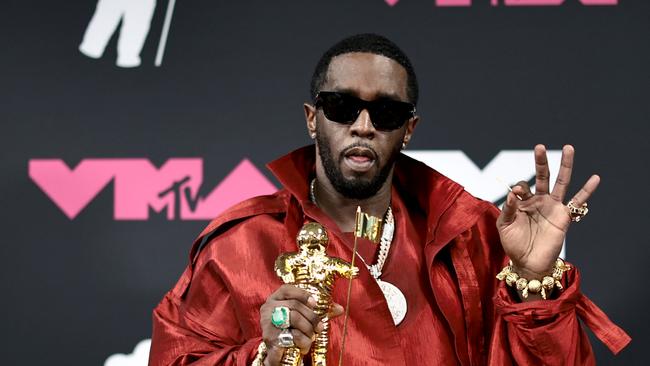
(295,170)
(419,186)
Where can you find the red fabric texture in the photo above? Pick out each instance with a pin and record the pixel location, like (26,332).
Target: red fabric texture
(445,256)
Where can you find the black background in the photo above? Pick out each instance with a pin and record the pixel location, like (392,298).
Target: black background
(232,84)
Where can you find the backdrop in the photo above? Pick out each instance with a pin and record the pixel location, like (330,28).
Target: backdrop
(127,125)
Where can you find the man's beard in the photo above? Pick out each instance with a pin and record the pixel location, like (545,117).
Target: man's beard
(355,188)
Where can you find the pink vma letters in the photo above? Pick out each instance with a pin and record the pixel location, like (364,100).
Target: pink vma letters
(139,186)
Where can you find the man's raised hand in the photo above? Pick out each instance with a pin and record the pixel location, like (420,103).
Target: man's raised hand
(533,228)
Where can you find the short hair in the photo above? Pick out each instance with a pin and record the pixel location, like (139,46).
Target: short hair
(368,43)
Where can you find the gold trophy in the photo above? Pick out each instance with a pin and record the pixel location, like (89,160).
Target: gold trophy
(311,269)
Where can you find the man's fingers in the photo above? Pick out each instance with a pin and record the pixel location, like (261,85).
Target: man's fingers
(291,292)
(586,191)
(273,355)
(335,310)
(304,321)
(303,310)
(298,321)
(509,211)
(297,309)
(522,189)
(301,340)
(564,175)
(542,174)
(520,192)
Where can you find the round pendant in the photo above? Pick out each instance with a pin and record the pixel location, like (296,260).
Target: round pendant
(395,299)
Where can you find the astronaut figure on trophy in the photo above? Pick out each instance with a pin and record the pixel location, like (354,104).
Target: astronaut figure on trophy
(312,270)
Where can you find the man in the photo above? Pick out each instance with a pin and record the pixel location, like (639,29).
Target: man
(446,307)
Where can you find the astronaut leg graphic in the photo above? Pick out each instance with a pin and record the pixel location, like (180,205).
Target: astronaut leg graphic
(101,27)
(135,27)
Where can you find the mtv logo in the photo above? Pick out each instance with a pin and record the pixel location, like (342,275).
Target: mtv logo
(139,186)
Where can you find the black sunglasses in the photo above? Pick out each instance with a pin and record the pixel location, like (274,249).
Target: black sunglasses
(385,114)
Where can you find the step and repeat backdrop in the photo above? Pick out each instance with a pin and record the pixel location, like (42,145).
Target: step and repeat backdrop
(128,124)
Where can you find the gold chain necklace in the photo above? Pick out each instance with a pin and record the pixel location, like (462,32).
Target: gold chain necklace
(394,297)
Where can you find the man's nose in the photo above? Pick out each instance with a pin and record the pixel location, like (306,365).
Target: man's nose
(363,126)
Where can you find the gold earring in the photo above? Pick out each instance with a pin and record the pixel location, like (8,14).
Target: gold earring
(312,135)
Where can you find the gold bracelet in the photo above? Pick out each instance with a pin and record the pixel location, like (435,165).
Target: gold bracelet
(261,355)
(542,287)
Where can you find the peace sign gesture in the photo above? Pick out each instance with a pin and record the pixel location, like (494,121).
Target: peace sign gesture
(533,228)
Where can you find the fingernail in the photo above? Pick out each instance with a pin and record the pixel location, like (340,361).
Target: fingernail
(312,301)
(319,328)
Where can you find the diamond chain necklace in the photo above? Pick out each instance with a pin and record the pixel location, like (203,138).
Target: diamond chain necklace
(385,241)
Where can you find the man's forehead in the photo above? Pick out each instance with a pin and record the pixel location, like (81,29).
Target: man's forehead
(367,75)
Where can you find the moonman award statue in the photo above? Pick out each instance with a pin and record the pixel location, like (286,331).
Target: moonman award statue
(311,269)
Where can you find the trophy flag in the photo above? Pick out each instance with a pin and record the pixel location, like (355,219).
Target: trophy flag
(365,226)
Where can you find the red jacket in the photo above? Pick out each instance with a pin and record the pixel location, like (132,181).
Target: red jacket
(211,316)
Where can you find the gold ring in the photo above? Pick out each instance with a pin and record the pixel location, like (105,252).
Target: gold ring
(577,213)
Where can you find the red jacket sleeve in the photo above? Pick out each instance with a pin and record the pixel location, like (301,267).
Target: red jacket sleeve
(545,332)
(199,327)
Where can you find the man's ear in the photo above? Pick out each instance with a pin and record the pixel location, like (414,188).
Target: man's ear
(310,118)
(410,128)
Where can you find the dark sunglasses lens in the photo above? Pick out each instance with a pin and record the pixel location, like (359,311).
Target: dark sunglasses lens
(339,108)
(390,115)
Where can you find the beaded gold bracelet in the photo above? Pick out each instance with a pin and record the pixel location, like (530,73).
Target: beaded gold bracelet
(534,286)
(261,355)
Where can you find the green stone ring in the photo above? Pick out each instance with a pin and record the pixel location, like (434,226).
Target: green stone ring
(281,317)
